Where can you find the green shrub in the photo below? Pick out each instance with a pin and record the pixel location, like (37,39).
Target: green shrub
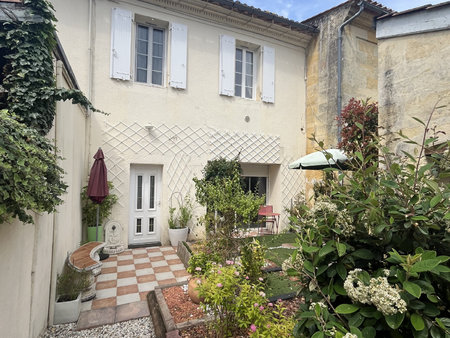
(239,306)
(202,262)
(70,283)
(89,208)
(252,259)
(233,208)
(374,252)
(30,177)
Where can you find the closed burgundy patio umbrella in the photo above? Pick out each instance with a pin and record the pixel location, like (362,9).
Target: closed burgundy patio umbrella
(98,183)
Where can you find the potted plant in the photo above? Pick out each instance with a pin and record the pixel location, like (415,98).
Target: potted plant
(199,265)
(89,212)
(69,285)
(178,226)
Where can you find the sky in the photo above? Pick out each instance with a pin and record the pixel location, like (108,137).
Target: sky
(300,10)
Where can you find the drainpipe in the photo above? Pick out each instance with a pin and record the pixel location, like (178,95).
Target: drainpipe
(339,65)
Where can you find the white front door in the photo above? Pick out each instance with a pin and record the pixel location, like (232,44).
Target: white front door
(145,191)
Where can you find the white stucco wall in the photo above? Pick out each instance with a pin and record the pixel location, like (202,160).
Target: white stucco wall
(188,124)
(29,257)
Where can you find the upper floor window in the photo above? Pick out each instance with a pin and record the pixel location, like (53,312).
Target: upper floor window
(239,66)
(244,70)
(149,55)
(150,59)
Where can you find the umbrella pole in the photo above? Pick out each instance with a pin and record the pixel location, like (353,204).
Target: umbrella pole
(96,228)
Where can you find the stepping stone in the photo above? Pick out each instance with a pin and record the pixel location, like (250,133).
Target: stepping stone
(132,311)
(98,317)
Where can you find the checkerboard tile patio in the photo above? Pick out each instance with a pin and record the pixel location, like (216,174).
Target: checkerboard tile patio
(128,277)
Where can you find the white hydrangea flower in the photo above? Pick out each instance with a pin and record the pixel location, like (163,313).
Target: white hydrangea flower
(379,292)
(350,335)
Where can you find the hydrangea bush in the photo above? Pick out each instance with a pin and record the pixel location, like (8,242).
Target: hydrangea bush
(373,253)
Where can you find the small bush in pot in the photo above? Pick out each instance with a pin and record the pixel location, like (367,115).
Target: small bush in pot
(70,283)
(178,222)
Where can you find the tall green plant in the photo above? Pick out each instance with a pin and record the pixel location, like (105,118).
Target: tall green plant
(374,253)
(30,178)
(229,207)
(89,208)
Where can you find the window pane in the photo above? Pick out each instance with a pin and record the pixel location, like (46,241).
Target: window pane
(249,81)
(157,50)
(142,61)
(142,33)
(142,47)
(139,193)
(238,66)
(238,54)
(248,92)
(157,64)
(158,36)
(249,57)
(238,78)
(151,224)
(152,192)
(249,69)
(141,75)
(157,78)
(237,90)
(138,225)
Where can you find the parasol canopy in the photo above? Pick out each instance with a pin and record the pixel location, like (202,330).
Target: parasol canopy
(98,182)
(318,160)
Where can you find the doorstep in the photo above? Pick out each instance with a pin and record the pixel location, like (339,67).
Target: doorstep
(111,315)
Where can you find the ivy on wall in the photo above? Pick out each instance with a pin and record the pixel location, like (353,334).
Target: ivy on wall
(28,73)
(30,178)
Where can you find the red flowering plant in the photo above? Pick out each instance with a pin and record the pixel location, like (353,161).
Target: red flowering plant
(359,128)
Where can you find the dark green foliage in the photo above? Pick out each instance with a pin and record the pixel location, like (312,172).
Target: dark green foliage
(30,178)
(220,168)
(252,259)
(89,208)
(28,76)
(399,236)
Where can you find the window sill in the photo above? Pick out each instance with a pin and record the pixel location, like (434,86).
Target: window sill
(149,85)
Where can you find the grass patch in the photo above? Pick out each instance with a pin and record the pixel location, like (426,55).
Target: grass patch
(278,256)
(271,241)
(278,284)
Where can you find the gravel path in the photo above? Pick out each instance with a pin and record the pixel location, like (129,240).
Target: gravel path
(142,327)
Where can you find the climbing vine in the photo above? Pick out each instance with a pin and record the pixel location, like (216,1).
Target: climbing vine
(28,74)
(30,178)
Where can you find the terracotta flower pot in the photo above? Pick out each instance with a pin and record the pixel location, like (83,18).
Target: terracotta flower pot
(193,291)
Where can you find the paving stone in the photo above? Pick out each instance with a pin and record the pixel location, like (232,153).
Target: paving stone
(132,311)
(94,318)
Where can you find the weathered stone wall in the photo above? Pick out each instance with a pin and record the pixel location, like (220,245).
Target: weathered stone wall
(414,73)
(359,73)
(360,62)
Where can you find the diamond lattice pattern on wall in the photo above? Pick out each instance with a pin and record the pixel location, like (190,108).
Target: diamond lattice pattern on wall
(293,183)
(252,148)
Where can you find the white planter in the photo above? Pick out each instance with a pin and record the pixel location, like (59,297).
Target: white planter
(176,235)
(67,312)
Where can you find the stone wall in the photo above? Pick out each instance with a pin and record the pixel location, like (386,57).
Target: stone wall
(414,74)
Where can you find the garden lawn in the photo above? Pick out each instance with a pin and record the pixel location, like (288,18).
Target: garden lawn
(278,284)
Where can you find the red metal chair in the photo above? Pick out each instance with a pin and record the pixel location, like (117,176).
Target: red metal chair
(268,216)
